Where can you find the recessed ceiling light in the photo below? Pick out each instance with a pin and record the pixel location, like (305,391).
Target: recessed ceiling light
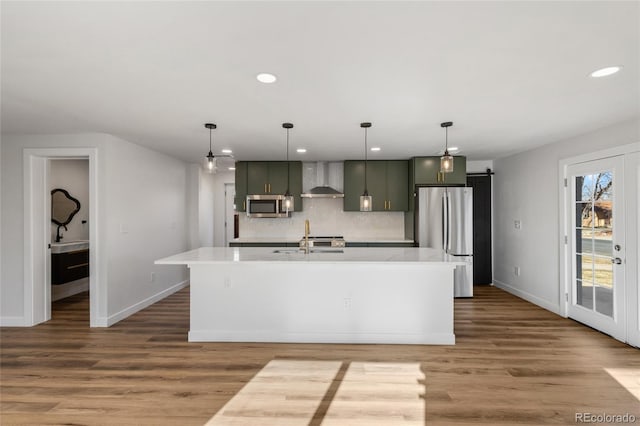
(232,168)
(454,148)
(265,77)
(301,150)
(375,149)
(226,151)
(603,72)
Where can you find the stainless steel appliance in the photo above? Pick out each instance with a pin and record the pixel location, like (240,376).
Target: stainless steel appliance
(444,220)
(266,206)
(330,241)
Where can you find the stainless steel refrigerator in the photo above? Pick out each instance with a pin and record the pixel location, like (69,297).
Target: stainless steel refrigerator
(444,220)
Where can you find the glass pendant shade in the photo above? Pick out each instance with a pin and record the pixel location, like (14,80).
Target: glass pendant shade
(366,202)
(446,163)
(210,165)
(288,203)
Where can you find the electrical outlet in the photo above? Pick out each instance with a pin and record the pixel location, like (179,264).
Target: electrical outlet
(152,278)
(516,271)
(347,303)
(517,224)
(227,282)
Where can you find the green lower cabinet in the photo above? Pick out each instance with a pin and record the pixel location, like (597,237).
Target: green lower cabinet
(387,183)
(383,245)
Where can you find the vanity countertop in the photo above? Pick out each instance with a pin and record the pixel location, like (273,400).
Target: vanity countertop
(69,246)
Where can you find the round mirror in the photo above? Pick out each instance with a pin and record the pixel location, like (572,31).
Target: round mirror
(63,207)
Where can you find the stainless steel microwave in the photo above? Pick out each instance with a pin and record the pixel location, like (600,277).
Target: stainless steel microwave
(266,206)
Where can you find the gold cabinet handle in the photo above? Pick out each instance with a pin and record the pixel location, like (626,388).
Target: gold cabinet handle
(244,205)
(389,204)
(269,188)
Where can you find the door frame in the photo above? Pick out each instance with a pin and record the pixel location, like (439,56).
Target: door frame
(229,187)
(37,234)
(630,199)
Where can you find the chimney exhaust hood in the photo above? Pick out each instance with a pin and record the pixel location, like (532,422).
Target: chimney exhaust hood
(322,188)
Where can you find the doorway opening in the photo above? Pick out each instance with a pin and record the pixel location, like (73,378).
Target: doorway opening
(82,252)
(68,184)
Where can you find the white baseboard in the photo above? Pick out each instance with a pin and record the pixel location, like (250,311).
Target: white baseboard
(12,322)
(141,305)
(528,297)
(284,337)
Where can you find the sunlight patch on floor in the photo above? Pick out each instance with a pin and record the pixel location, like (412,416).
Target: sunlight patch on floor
(379,393)
(284,393)
(627,377)
(287,392)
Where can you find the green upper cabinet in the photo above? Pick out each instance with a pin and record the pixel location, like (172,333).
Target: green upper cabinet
(353,185)
(397,185)
(426,171)
(268,178)
(241,186)
(387,183)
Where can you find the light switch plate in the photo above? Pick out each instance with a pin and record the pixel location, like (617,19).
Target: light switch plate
(517,224)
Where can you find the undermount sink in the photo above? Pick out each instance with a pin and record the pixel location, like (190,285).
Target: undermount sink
(69,246)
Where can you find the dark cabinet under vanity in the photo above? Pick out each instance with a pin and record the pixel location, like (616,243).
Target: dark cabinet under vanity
(70,266)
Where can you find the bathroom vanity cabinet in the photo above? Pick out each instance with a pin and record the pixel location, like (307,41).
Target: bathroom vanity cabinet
(69,266)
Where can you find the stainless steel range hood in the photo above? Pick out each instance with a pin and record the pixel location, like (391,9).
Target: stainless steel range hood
(320,179)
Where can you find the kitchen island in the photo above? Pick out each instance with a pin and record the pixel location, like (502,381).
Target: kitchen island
(350,295)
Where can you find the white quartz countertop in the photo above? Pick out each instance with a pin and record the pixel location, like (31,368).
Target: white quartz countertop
(212,255)
(296,240)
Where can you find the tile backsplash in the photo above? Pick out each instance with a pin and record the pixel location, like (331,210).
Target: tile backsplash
(326,218)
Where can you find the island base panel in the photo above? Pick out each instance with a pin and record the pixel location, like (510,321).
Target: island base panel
(392,303)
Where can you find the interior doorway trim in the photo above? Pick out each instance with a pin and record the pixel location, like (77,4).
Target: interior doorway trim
(37,292)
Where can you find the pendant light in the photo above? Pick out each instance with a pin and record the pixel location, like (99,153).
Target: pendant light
(288,202)
(366,201)
(210,164)
(446,161)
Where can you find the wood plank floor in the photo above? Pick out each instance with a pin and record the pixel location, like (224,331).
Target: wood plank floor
(514,363)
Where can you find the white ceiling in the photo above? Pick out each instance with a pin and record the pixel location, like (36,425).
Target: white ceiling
(510,75)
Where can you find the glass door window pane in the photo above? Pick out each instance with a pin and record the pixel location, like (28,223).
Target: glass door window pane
(593,242)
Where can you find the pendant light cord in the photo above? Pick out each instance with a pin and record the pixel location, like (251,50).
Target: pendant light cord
(446,141)
(210,139)
(288,165)
(365,162)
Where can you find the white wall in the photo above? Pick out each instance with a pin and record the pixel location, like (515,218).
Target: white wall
(480,166)
(526,189)
(72,176)
(142,217)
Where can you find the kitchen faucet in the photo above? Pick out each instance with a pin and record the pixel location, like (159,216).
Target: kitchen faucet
(306,236)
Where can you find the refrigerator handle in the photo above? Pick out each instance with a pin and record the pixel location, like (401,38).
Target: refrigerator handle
(445,221)
(448,222)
